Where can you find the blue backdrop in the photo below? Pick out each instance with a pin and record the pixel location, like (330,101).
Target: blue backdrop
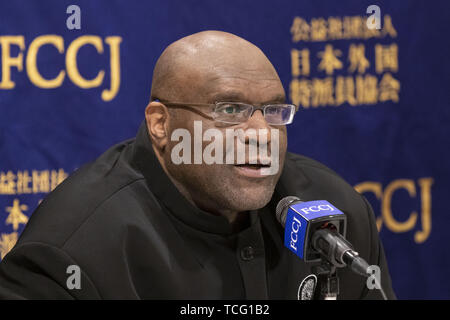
(374,103)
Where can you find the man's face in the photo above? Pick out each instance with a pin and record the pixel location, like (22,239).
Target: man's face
(230,186)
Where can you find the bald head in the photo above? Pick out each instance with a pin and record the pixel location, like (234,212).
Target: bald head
(196,67)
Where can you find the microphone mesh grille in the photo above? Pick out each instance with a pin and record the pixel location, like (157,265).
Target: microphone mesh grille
(281,211)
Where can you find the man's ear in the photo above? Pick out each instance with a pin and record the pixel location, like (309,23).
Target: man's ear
(157,118)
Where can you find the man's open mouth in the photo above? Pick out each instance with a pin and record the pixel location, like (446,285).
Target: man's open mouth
(253,166)
(252,170)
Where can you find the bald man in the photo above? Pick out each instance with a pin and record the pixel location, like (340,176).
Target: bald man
(187,209)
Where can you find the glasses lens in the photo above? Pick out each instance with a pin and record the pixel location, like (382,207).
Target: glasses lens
(232,112)
(279,114)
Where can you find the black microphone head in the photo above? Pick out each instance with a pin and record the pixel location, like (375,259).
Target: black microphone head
(282,207)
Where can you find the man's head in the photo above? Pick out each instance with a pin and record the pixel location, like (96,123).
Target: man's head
(204,68)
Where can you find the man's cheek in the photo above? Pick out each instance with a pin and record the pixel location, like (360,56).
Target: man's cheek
(283,147)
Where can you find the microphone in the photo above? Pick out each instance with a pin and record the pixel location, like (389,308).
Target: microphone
(315,230)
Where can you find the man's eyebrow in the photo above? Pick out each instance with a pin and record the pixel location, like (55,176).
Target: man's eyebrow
(280,98)
(232,96)
(235,96)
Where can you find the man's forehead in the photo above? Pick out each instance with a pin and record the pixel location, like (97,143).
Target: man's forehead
(216,67)
(245,88)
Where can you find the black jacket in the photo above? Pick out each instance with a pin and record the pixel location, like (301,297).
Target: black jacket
(134,236)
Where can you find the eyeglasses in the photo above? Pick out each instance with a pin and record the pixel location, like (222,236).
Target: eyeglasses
(238,112)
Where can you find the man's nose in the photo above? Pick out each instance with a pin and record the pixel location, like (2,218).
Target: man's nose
(256,122)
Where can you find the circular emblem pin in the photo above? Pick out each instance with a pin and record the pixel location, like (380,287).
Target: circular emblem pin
(307,288)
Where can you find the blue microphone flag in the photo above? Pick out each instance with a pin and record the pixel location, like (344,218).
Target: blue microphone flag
(300,219)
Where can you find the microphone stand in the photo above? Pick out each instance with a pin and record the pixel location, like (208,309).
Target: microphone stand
(328,281)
